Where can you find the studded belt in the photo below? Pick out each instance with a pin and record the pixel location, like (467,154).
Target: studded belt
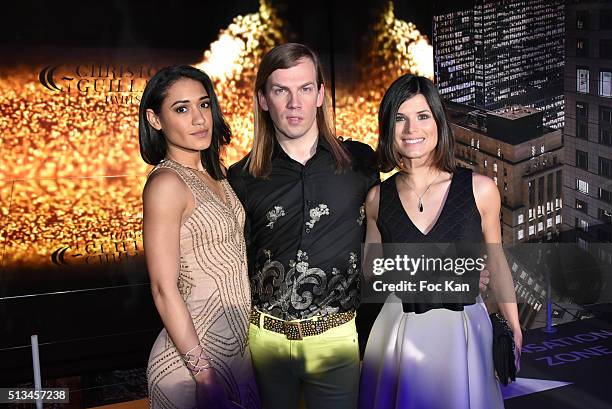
(296,330)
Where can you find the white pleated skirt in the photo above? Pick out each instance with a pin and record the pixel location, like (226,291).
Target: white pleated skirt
(440,359)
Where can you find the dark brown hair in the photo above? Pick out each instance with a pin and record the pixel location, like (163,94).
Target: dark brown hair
(403,88)
(153,145)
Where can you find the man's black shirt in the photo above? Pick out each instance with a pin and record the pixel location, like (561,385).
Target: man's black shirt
(305,226)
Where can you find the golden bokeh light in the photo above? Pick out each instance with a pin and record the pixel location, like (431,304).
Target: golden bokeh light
(47,214)
(396,48)
(232,63)
(70,169)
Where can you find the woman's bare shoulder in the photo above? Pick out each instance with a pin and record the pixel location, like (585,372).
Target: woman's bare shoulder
(485,190)
(165,186)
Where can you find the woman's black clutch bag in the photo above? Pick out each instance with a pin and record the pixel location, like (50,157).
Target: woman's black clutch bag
(503,349)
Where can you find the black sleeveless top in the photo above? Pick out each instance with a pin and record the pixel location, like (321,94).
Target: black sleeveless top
(459,221)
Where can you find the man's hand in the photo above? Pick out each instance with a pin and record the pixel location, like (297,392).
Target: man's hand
(484,280)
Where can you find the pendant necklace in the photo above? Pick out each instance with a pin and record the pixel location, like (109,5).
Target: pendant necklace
(420,205)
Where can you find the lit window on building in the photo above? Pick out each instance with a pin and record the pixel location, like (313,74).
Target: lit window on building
(531,230)
(540,226)
(520,219)
(582,186)
(605,215)
(520,234)
(581,206)
(549,222)
(558,219)
(582,224)
(605,83)
(582,80)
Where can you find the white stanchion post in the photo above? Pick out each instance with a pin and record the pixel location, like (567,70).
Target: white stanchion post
(36,367)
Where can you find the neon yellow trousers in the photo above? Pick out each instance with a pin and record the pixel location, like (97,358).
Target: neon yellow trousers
(323,368)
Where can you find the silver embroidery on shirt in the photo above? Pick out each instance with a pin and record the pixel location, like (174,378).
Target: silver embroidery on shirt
(361,217)
(316,213)
(306,275)
(304,288)
(274,214)
(338,287)
(269,279)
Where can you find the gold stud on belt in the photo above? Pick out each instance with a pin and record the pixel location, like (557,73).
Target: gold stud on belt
(297,330)
(293,330)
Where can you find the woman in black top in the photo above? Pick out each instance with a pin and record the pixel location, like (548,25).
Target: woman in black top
(428,353)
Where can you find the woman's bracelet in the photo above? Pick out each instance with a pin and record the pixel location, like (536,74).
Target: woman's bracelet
(196,363)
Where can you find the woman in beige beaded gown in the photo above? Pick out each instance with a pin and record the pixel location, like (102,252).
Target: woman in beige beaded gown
(194,249)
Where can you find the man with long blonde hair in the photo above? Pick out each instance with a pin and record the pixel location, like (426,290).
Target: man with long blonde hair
(303,190)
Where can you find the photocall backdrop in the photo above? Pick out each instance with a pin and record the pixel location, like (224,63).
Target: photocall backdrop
(71,175)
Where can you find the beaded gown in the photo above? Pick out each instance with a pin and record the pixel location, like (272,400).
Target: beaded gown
(214,284)
(433,356)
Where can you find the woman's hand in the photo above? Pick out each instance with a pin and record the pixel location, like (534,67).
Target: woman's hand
(211,393)
(518,346)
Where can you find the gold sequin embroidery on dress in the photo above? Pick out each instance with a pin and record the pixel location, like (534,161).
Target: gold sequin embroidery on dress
(214,285)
